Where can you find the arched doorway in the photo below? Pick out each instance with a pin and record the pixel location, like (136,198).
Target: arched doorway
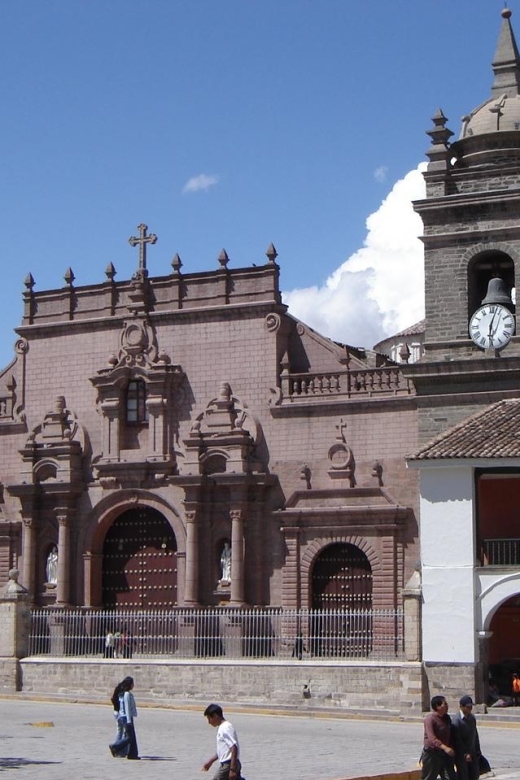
(139,561)
(504,644)
(341,598)
(342,578)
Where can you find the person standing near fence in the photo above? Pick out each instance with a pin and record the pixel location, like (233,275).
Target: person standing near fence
(228,749)
(128,712)
(110,643)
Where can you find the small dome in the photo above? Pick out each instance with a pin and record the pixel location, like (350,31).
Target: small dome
(501,112)
(493,116)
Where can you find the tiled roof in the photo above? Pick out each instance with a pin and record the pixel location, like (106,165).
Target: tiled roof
(413,330)
(493,432)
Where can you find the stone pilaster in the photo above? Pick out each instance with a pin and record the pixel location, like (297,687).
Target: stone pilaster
(237,558)
(14,632)
(191,592)
(412,595)
(28,554)
(63,587)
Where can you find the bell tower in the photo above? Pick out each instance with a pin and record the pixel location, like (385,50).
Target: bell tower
(471,217)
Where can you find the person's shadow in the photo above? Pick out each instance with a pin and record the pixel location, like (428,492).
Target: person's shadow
(17,763)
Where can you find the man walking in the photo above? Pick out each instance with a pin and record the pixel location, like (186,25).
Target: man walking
(438,754)
(228,749)
(466,741)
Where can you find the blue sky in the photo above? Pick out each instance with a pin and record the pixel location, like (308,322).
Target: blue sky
(231,124)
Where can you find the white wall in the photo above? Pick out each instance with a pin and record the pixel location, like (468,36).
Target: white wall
(448,556)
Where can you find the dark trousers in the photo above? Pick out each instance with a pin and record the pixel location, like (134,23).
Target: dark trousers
(133,751)
(467,770)
(436,763)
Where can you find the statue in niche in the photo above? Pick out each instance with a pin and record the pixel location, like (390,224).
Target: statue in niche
(52,566)
(225,563)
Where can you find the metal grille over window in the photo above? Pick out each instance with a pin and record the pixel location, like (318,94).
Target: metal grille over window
(136,411)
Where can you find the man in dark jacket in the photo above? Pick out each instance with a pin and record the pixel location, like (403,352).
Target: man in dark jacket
(466,741)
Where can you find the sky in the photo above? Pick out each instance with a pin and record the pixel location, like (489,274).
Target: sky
(233,124)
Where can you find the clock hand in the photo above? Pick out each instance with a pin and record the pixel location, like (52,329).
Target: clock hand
(498,322)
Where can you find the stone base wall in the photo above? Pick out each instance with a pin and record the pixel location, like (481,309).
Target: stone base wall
(385,686)
(451,681)
(10,675)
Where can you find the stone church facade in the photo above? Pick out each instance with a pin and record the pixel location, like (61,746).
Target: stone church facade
(146,423)
(149,426)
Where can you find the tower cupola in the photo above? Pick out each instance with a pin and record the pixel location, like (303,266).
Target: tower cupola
(501,112)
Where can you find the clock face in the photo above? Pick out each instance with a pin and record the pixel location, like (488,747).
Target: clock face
(492,326)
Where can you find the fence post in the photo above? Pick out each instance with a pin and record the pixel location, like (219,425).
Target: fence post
(14,632)
(412,595)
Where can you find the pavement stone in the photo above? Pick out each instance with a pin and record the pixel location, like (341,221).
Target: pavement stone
(173,743)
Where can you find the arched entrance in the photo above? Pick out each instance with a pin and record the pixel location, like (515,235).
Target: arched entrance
(341,598)
(504,644)
(342,578)
(139,561)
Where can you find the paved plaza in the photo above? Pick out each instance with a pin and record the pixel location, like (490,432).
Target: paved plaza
(47,739)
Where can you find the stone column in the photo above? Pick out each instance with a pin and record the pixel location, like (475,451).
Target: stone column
(15,618)
(63,587)
(412,595)
(237,558)
(191,591)
(93,575)
(482,667)
(291,589)
(28,554)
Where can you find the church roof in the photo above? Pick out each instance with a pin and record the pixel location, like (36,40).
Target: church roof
(493,432)
(501,112)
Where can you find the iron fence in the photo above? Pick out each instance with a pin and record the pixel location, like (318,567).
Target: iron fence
(218,633)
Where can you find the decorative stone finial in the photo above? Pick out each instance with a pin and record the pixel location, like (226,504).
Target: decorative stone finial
(110,272)
(176,264)
(69,276)
(13,587)
(404,353)
(271,253)
(223,258)
(29,281)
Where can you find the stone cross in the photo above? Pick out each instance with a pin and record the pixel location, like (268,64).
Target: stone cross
(143,240)
(341,427)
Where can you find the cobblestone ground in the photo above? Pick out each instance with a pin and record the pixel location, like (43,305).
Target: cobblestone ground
(174,744)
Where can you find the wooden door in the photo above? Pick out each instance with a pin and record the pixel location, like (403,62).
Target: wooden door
(139,561)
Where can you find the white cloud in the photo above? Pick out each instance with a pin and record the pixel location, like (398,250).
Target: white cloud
(379,290)
(199,183)
(380,173)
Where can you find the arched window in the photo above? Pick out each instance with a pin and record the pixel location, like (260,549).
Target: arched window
(136,411)
(484,267)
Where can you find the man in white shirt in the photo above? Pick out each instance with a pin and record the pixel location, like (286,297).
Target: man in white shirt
(228,749)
